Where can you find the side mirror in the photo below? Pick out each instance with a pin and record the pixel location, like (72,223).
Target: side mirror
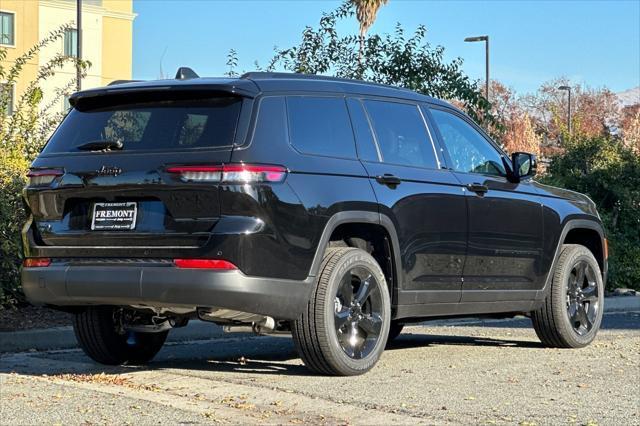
(525,165)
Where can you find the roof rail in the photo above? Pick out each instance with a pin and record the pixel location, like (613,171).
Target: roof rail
(266,74)
(115,82)
(256,75)
(186,73)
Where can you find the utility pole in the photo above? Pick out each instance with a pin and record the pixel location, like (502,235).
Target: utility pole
(79,43)
(568,89)
(484,38)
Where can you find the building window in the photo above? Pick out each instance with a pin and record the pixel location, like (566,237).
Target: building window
(7,28)
(6,98)
(71,42)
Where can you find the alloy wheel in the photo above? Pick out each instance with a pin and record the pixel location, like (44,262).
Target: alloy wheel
(358,313)
(582,297)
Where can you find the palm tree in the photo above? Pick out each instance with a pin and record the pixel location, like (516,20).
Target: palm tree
(366,11)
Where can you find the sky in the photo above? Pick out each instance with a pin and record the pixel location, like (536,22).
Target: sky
(594,43)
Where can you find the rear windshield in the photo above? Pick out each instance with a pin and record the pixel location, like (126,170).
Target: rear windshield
(160,125)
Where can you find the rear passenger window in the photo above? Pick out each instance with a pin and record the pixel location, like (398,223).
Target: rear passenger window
(401,134)
(320,126)
(364,139)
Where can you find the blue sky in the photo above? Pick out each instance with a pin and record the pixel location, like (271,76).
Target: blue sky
(591,42)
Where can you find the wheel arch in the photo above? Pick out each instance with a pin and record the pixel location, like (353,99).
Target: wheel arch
(357,224)
(586,232)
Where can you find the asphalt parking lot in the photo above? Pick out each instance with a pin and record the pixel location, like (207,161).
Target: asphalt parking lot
(463,372)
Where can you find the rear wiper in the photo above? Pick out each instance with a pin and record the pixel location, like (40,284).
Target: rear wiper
(100,145)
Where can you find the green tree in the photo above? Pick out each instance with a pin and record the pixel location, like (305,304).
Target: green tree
(609,173)
(22,135)
(395,59)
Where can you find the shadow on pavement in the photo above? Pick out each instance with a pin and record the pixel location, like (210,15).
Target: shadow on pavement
(268,355)
(610,321)
(407,340)
(256,355)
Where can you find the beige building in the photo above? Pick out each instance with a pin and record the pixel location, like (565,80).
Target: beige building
(107,41)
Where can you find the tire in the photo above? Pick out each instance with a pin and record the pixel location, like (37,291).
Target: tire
(571,313)
(344,329)
(394,331)
(96,333)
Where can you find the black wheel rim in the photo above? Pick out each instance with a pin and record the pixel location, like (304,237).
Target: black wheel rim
(583,302)
(358,313)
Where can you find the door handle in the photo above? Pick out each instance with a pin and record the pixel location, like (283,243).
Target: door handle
(478,188)
(389,180)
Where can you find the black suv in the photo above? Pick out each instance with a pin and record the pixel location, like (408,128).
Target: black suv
(334,210)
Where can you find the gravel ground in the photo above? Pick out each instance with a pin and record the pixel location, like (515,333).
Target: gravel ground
(493,372)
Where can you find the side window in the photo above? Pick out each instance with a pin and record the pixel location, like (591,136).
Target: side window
(470,152)
(367,150)
(320,126)
(401,134)
(271,124)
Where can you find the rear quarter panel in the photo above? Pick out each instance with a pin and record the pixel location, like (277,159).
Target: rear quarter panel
(297,211)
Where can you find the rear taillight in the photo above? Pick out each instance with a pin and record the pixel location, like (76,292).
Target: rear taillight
(40,177)
(204,264)
(230,173)
(36,262)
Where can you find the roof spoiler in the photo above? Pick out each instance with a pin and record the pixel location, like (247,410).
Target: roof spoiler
(116,82)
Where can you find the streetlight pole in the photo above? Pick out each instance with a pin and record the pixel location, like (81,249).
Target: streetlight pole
(79,43)
(568,89)
(484,38)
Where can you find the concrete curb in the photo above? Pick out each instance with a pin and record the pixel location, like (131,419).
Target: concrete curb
(622,304)
(64,338)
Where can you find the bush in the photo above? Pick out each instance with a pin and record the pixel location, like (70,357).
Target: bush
(22,135)
(608,171)
(13,167)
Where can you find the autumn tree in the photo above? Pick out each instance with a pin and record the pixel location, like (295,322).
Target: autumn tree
(593,111)
(517,127)
(630,127)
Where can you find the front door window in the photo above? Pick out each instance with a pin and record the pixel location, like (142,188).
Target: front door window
(469,151)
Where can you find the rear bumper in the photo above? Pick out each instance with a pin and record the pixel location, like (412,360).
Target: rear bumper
(164,286)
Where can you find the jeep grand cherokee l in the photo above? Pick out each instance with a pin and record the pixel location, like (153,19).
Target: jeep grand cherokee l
(336,210)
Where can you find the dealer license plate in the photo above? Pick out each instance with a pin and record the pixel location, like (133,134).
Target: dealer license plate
(114,216)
